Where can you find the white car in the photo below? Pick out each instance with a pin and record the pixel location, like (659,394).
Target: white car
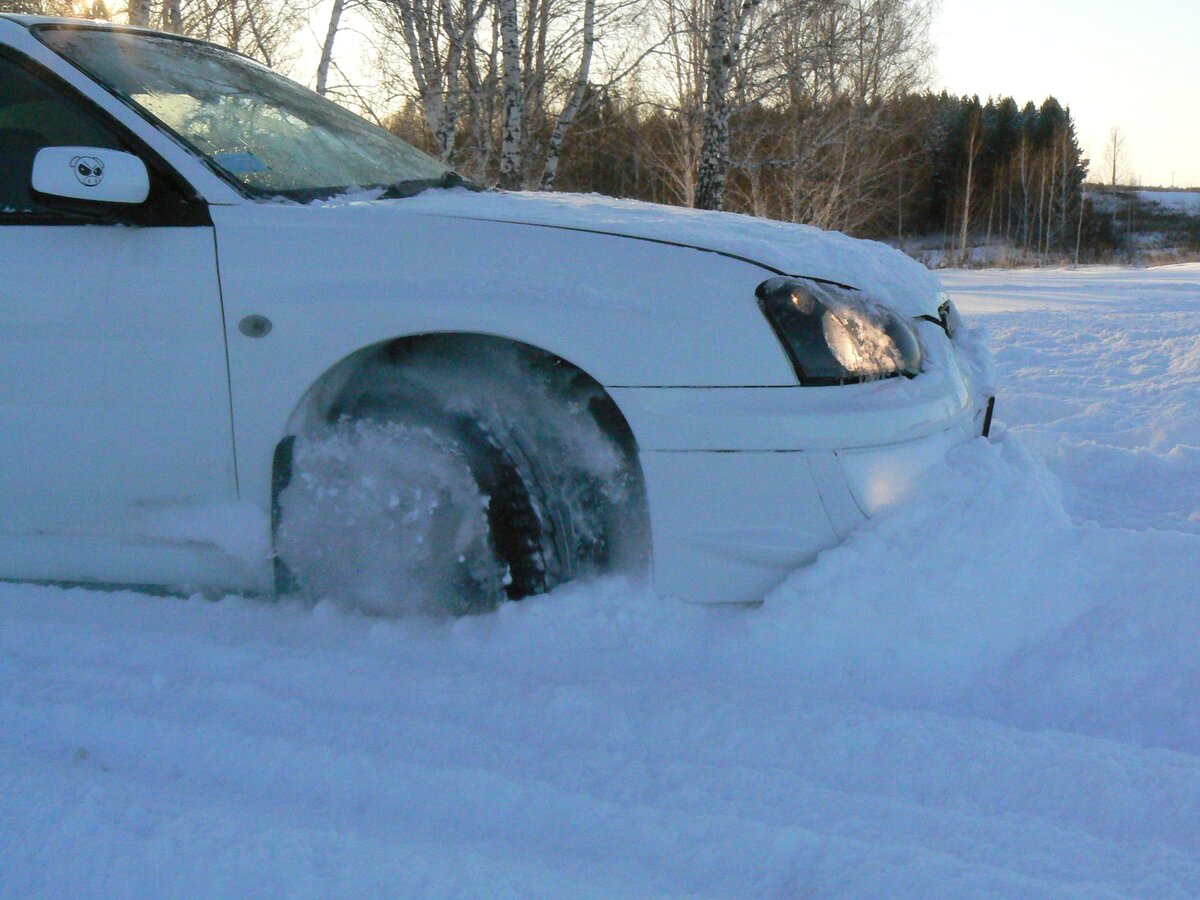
(251,342)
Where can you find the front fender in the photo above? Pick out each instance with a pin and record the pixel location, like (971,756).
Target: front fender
(333,280)
(628,311)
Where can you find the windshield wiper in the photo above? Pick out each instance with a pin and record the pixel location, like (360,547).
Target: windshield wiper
(414,186)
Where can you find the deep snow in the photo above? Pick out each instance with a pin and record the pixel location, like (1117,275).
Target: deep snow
(988,690)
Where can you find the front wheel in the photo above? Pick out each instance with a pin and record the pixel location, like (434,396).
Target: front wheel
(436,493)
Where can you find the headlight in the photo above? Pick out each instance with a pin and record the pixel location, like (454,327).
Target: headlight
(837,335)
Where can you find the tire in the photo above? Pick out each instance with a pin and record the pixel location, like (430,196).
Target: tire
(426,492)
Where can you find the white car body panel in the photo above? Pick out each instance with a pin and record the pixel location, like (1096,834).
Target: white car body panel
(725,525)
(346,276)
(114,404)
(728,526)
(748,475)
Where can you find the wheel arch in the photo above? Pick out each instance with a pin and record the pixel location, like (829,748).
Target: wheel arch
(321,396)
(326,396)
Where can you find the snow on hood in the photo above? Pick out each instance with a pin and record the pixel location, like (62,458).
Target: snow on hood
(790,249)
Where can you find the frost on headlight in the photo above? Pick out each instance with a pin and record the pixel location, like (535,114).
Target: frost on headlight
(837,335)
(859,343)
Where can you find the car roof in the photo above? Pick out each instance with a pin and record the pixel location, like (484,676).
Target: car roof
(29,21)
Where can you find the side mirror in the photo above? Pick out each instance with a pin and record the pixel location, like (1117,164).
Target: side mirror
(91,173)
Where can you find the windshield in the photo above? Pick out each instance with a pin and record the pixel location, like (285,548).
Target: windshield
(266,133)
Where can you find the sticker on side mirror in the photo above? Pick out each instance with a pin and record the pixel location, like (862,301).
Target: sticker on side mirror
(91,173)
(89,170)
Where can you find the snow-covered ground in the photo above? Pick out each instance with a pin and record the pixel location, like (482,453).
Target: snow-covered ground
(1176,201)
(990,690)
(1185,201)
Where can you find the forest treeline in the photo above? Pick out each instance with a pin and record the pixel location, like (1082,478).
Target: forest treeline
(811,111)
(916,165)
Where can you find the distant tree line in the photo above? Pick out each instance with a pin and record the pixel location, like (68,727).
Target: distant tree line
(915,164)
(1002,171)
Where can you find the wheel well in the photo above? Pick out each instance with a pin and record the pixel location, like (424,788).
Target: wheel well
(377,371)
(331,394)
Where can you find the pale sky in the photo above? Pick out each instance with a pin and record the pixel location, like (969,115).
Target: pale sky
(1113,62)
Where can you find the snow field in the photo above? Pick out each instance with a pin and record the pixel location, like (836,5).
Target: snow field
(986,691)
(1177,201)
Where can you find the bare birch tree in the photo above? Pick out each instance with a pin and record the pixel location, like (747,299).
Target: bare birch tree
(972,150)
(262,29)
(521,71)
(727,21)
(331,31)
(679,68)
(139,13)
(835,143)
(512,94)
(571,108)
(1114,154)
(1114,160)
(434,38)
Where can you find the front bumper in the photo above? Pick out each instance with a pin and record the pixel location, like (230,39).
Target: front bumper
(797,473)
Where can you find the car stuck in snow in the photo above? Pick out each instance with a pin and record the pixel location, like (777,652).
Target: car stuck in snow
(253,342)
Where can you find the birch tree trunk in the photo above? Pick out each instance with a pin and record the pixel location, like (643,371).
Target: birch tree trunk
(510,66)
(1026,216)
(714,128)
(966,216)
(1079,230)
(1041,202)
(1050,199)
(480,73)
(139,13)
(729,18)
(437,37)
(172,16)
(335,18)
(447,133)
(991,212)
(567,117)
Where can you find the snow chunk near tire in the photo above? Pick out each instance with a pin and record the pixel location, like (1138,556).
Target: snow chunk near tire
(388,519)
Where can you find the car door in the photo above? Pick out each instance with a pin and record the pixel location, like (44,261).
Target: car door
(116,449)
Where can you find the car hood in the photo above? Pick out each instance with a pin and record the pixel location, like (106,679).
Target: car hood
(780,248)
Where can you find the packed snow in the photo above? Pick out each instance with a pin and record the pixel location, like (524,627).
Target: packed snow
(987,690)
